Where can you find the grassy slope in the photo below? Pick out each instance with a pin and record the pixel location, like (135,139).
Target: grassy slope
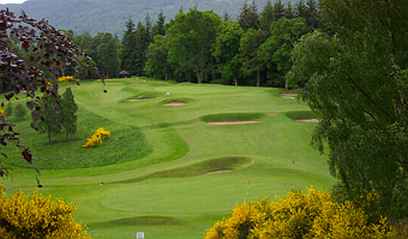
(152,193)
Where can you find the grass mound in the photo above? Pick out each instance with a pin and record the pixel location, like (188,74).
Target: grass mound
(301,115)
(127,143)
(138,221)
(145,95)
(232,117)
(218,165)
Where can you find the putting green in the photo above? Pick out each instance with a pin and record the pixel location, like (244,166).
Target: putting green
(165,171)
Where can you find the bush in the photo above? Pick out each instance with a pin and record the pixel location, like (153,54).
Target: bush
(37,217)
(20,112)
(299,215)
(97,138)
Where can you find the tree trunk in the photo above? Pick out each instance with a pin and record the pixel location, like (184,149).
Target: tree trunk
(199,77)
(258,78)
(286,84)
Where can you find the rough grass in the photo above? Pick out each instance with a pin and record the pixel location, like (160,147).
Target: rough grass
(232,117)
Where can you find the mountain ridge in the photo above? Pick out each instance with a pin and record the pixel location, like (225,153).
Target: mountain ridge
(94,16)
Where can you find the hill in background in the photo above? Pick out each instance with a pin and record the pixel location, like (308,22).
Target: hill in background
(110,15)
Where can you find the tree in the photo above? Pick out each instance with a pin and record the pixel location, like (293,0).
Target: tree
(107,54)
(159,28)
(190,36)
(267,17)
(128,43)
(361,97)
(226,51)
(141,43)
(157,64)
(51,121)
(278,10)
(312,14)
(69,110)
(248,18)
(50,52)
(310,55)
(250,41)
(275,52)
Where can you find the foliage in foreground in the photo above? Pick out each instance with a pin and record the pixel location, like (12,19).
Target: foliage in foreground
(97,138)
(300,215)
(356,80)
(37,217)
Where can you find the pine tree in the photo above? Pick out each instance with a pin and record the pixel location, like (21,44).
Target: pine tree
(289,11)
(248,17)
(69,110)
(159,28)
(278,10)
(50,121)
(266,17)
(127,45)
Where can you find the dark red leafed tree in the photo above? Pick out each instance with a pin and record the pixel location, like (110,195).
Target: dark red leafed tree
(32,55)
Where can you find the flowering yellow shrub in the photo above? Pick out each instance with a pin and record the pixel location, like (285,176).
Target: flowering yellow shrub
(97,138)
(37,217)
(300,215)
(65,78)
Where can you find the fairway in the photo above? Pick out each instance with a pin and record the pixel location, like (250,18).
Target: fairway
(181,156)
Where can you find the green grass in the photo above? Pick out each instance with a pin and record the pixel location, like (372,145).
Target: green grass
(165,171)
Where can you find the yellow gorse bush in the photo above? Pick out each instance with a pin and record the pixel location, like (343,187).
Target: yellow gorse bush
(37,217)
(65,78)
(97,138)
(300,215)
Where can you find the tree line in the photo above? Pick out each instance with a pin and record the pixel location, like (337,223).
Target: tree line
(201,46)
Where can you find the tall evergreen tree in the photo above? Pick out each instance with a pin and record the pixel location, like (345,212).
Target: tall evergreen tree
(159,28)
(141,44)
(107,56)
(128,44)
(267,17)
(248,17)
(50,121)
(279,10)
(69,110)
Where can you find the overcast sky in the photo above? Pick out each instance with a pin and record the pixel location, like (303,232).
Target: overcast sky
(11,1)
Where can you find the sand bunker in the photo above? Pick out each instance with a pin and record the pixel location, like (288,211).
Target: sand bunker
(308,120)
(220,123)
(176,104)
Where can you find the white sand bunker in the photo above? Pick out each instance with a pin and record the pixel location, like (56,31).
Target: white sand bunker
(220,123)
(314,121)
(175,104)
(291,96)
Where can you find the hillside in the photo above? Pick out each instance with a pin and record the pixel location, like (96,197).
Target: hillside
(109,16)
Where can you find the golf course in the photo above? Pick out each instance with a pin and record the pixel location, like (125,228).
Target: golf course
(180,157)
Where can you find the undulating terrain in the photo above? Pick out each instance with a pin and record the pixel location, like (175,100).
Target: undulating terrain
(180,156)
